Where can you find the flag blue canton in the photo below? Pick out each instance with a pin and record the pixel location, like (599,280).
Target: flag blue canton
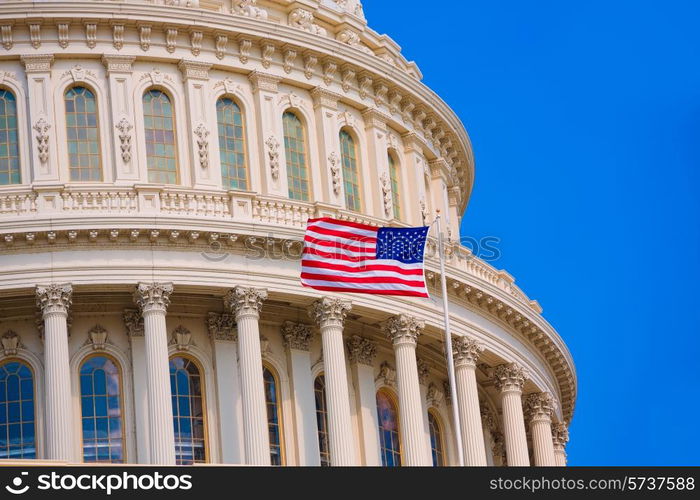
(404,245)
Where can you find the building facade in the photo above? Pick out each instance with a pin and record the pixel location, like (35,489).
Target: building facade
(158,162)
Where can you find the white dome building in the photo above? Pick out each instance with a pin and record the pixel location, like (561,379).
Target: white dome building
(158,162)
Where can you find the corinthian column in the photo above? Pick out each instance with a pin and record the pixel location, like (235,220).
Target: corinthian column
(361,354)
(539,408)
(403,331)
(53,301)
(330,314)
(509,379)
(466,352)
(153,300)
(560,436)
(246,304)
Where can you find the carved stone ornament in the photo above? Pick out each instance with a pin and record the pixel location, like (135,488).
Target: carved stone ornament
(353,7)
(560,434)
(466,351)
(509,377)
(539,406)
(124,128)
(387,374)
(296,336)
(133,321)
(6,33)
(329,310)
(435,396)
(265,349)
(222,327)
(182,338)
(10,343)
(42,128)
(361,350)
(54,298)
(97,337)
(273,153)
(423,371)
(153,296)
(304,20)
(403,329)
(201,133)
(334,162)
(248,8)
(488,419)
(245,301)
(386,192)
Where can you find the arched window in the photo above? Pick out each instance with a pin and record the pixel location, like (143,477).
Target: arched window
(9,146)
(84,161)
(100,393)
(231,144)
(17,429)
(274,422)
(295,152)
(159,127)
(395,190)
(187,386)
(322,420)
(437,448)
(388,419)
(351,177)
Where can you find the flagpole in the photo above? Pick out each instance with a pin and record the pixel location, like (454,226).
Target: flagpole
(448,344)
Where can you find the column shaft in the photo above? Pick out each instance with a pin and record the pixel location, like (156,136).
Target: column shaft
(542,447)
(410,408)
(59,414)
(470,416)
(510,379)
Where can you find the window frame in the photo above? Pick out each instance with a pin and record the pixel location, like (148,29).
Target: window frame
(441,430)
(307,155)
(18,127)
(98,128)
(35,401)
(176,145)
(280,411)
(358,168)
(244,139)
(393,398)
(322,376)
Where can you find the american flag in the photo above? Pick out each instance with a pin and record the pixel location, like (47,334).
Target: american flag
(341,256)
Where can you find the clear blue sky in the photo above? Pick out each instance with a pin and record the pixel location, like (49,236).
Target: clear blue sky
(585,122)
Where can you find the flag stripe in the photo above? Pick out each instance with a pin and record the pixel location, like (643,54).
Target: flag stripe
(355,225)
(371,265)
(377,291)
(353,237)
(362,279)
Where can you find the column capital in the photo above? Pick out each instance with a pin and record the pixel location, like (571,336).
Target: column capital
(329,310)
(509,377)
(153,296)
(194,70)
(539,406)
(243,301)
(221,327)
(297,336)
(133,321)
(423,371)
(37,63)
(324,98)
(488,419)
(403,329)
(466,351)
(54,298)
(114,63)
(361,350)
(264,81)
(560,434)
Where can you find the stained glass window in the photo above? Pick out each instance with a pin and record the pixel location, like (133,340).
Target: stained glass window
(295,151)
(17,429)
(103,428)
(395,192)
(351,177)
(187,386)
(159,127)
(322,420)
(82,132)
(388,420)
(9,147)
(273,416)
(231,144)
(436,444)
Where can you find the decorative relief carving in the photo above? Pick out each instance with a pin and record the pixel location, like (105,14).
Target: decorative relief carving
(220,43)
(387,374)
(91,35)
(182,338)
(348,74)
(97,337)
(10,343)
(118,36)
(509,377)
(248,8)
(310,62)
(35,35)
(296,336)
(201,133)
(386,192)
(153,296)
(304,20)
(349,37)
(361,350)
(273,153)
(244,46)
(196,42)
(560,434)
(222,327)
(288,59)
(78,73)
(403,329)
(54,298)
(435,396)
(353,7)
(229,85)
(329,70)
(170,39)
(124,129)
(466,351)
(380,92)
(243,301)
(329,310)
(290,100)
(539,406)
(42,138)
(365,85)
(267,49)
(133,321)
(145,37)
(63,34)
(6,34)
(423,371)
(334,162)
